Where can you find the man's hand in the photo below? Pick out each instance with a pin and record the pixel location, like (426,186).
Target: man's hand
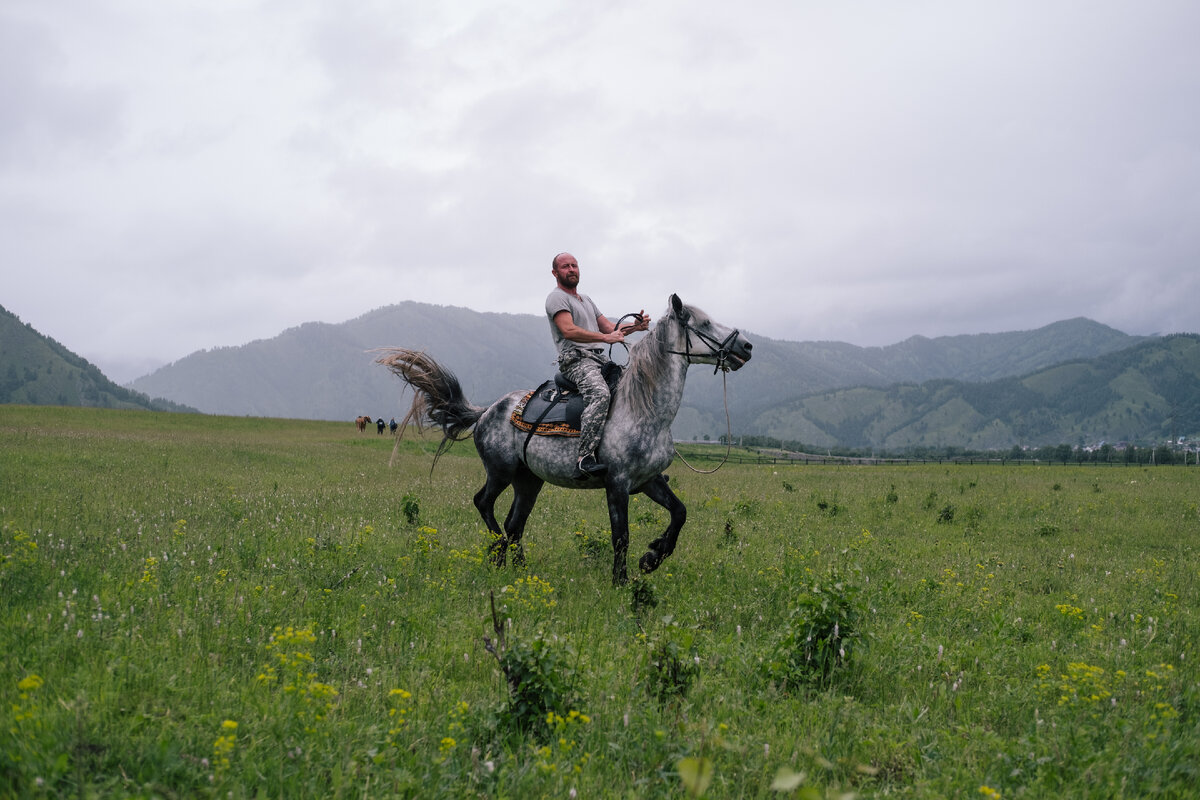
(641,323)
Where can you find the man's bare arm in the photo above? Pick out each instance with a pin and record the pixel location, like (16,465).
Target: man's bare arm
(569,330)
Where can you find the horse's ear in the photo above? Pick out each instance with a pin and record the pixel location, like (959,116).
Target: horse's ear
(677,307)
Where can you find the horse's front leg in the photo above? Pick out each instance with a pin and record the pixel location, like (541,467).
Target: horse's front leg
(660,492)
(618,517)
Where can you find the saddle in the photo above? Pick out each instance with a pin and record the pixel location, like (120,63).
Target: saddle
(556,407)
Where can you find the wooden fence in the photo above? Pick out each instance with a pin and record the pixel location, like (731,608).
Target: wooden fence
(804,459)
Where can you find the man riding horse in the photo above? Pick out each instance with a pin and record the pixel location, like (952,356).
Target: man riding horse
(637,446)
(578,328)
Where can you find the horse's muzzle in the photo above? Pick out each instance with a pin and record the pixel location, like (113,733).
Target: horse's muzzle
(737,355)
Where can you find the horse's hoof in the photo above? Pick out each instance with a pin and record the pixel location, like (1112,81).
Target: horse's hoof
(649,562)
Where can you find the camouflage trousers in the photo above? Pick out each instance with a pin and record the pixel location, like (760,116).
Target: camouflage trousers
(583,367)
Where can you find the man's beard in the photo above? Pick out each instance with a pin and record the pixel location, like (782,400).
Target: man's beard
(569,280)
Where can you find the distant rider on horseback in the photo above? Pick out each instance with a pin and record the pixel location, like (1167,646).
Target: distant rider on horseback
(579,329)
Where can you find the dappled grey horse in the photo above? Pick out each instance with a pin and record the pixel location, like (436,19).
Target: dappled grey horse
(637,443)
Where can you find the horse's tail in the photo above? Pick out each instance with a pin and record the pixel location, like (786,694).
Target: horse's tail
(437,395)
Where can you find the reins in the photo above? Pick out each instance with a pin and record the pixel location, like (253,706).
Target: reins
(728,434)
(636,317)
(720,349)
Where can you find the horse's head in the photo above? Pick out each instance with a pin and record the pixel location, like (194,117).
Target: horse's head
(704,341)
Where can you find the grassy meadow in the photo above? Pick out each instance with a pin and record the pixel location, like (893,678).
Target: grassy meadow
(234,607)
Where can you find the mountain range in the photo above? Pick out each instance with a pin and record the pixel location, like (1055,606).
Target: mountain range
(921,391)
(1075,381)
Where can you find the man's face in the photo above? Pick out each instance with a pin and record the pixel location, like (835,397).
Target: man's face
(566,271)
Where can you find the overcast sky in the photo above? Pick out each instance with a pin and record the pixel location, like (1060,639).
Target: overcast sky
(184,175)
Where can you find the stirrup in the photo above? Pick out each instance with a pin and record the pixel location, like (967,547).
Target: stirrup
(589,467)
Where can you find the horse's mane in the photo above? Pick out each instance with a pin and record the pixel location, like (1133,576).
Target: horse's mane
(647,363)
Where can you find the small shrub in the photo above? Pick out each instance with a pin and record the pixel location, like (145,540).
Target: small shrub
(540,674)
(647,517)
(946,515)
(411,508)
(832,509)
(820,635)
(672,665)
(592,547)
(729,537)
(541,680)
(892,498)
(642,597)
(747,508)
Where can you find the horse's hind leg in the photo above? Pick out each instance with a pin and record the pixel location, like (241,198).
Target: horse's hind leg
(660,492)
(485,503)
(526,487)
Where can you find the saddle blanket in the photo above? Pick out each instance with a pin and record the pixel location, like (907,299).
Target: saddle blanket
(549,411)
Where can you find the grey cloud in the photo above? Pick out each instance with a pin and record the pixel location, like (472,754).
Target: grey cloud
(46,117)
(810,170)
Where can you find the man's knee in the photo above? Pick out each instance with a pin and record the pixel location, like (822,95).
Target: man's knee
(595,395)
(592,385)
(597,407)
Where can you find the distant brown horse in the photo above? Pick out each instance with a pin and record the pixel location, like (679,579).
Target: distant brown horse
(361,423)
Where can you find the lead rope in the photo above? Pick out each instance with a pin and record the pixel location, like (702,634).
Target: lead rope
(728,434)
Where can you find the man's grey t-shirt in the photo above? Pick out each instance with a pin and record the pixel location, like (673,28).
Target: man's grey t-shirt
(583,313)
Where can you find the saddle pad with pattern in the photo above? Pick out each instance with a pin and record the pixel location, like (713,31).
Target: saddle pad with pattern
(549,411)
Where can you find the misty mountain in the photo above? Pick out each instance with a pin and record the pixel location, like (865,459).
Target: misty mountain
(37,370)
(327,371)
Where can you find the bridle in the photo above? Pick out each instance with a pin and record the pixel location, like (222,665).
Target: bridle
(719,349)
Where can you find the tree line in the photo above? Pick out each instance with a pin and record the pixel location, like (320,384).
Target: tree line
(1060,453)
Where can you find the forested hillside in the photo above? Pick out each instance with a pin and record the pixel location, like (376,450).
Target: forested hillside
(36,370)
(1149,392)
(784,371)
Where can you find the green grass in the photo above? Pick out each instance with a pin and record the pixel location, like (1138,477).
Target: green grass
(241,607)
